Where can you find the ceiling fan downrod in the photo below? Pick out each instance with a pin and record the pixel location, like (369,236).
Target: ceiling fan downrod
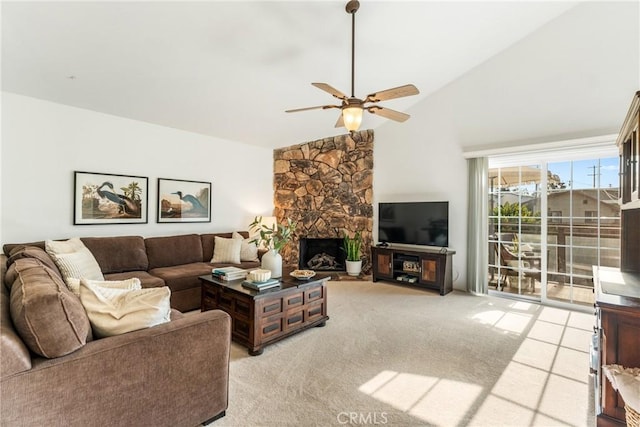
(352,7)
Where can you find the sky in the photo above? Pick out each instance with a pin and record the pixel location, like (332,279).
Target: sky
(583,171)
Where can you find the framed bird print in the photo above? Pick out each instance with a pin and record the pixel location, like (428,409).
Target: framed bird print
(103,198)
(183,201)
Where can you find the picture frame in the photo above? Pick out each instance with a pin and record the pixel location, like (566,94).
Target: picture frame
(105,198)
(183,201)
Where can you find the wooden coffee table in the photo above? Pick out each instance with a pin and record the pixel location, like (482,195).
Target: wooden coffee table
(262,318)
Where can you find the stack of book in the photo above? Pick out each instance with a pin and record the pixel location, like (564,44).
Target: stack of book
(407,278)
(259,286)
(229,273)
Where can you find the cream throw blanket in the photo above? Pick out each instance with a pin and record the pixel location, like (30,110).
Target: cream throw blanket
(627,382)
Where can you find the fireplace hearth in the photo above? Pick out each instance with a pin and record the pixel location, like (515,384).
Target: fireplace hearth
(321,254)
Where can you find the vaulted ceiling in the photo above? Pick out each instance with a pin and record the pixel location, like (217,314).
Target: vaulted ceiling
(230,69)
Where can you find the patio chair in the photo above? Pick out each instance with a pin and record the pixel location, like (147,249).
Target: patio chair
(512,262)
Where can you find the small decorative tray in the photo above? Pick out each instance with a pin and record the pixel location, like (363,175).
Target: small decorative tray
(303,274)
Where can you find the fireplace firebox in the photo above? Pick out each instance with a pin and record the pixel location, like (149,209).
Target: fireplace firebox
(322,254)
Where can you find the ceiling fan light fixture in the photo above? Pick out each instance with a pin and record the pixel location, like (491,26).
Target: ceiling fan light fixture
(352,117)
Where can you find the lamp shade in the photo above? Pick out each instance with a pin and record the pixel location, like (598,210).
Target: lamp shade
(352,117)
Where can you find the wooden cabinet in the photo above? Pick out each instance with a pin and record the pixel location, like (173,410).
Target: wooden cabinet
(428,268)
(618,308)
(629,147)
(382,263)
(618,323)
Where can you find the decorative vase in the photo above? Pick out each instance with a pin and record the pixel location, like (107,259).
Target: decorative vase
(353,267)
(272,261)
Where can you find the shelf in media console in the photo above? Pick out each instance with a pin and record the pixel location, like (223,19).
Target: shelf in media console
(421,249)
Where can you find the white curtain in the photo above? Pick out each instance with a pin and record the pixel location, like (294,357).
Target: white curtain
(477,226)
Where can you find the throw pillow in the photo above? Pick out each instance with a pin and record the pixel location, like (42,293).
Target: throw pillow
(248,250)
(226,250)
(49,318)
(118,307)
(74,260)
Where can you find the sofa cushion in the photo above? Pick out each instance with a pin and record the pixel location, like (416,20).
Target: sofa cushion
(118,254)
(74,260)
(118,307)
(248,249)
(184,276)
(8,247)
(10,276)
(49,318)
(24,251)
(146,279)
(226,250)
(173,250)
(208,243)
(15,354)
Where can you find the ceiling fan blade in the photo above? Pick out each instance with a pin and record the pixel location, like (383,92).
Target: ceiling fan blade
(323,107)
(388,113)
(396,92)
(328,88)
(340,122)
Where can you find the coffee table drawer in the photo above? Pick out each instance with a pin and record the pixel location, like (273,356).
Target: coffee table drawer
(271,307)
(313,294)
(243,307)
(241,328)
(294,300)
(294,319)
(271,327)
(225,301)
(315,311)
(209,298)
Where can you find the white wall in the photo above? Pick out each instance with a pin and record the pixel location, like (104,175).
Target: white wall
(421,160)
(43,143)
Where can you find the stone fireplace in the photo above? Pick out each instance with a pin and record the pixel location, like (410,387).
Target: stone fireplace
(326,187)
(321,254)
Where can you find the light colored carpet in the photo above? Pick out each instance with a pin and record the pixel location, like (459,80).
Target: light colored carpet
(400,356)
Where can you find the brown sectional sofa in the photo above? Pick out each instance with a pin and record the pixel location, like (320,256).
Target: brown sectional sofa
(174,261)
(172,374)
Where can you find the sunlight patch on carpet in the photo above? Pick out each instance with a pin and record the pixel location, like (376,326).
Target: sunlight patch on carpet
(506,321)
(510,412)
(554,315)
(524,306)
(536,354)
(401,390)
(544,384)
(423,396)
(546,332)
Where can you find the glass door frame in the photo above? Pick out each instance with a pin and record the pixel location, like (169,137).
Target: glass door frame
(543,243)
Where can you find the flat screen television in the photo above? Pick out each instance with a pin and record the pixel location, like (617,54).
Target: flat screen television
(414,223)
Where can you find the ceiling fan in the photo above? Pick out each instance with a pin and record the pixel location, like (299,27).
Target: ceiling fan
(352,107)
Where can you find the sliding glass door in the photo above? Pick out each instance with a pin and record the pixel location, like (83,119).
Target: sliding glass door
(549,223)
